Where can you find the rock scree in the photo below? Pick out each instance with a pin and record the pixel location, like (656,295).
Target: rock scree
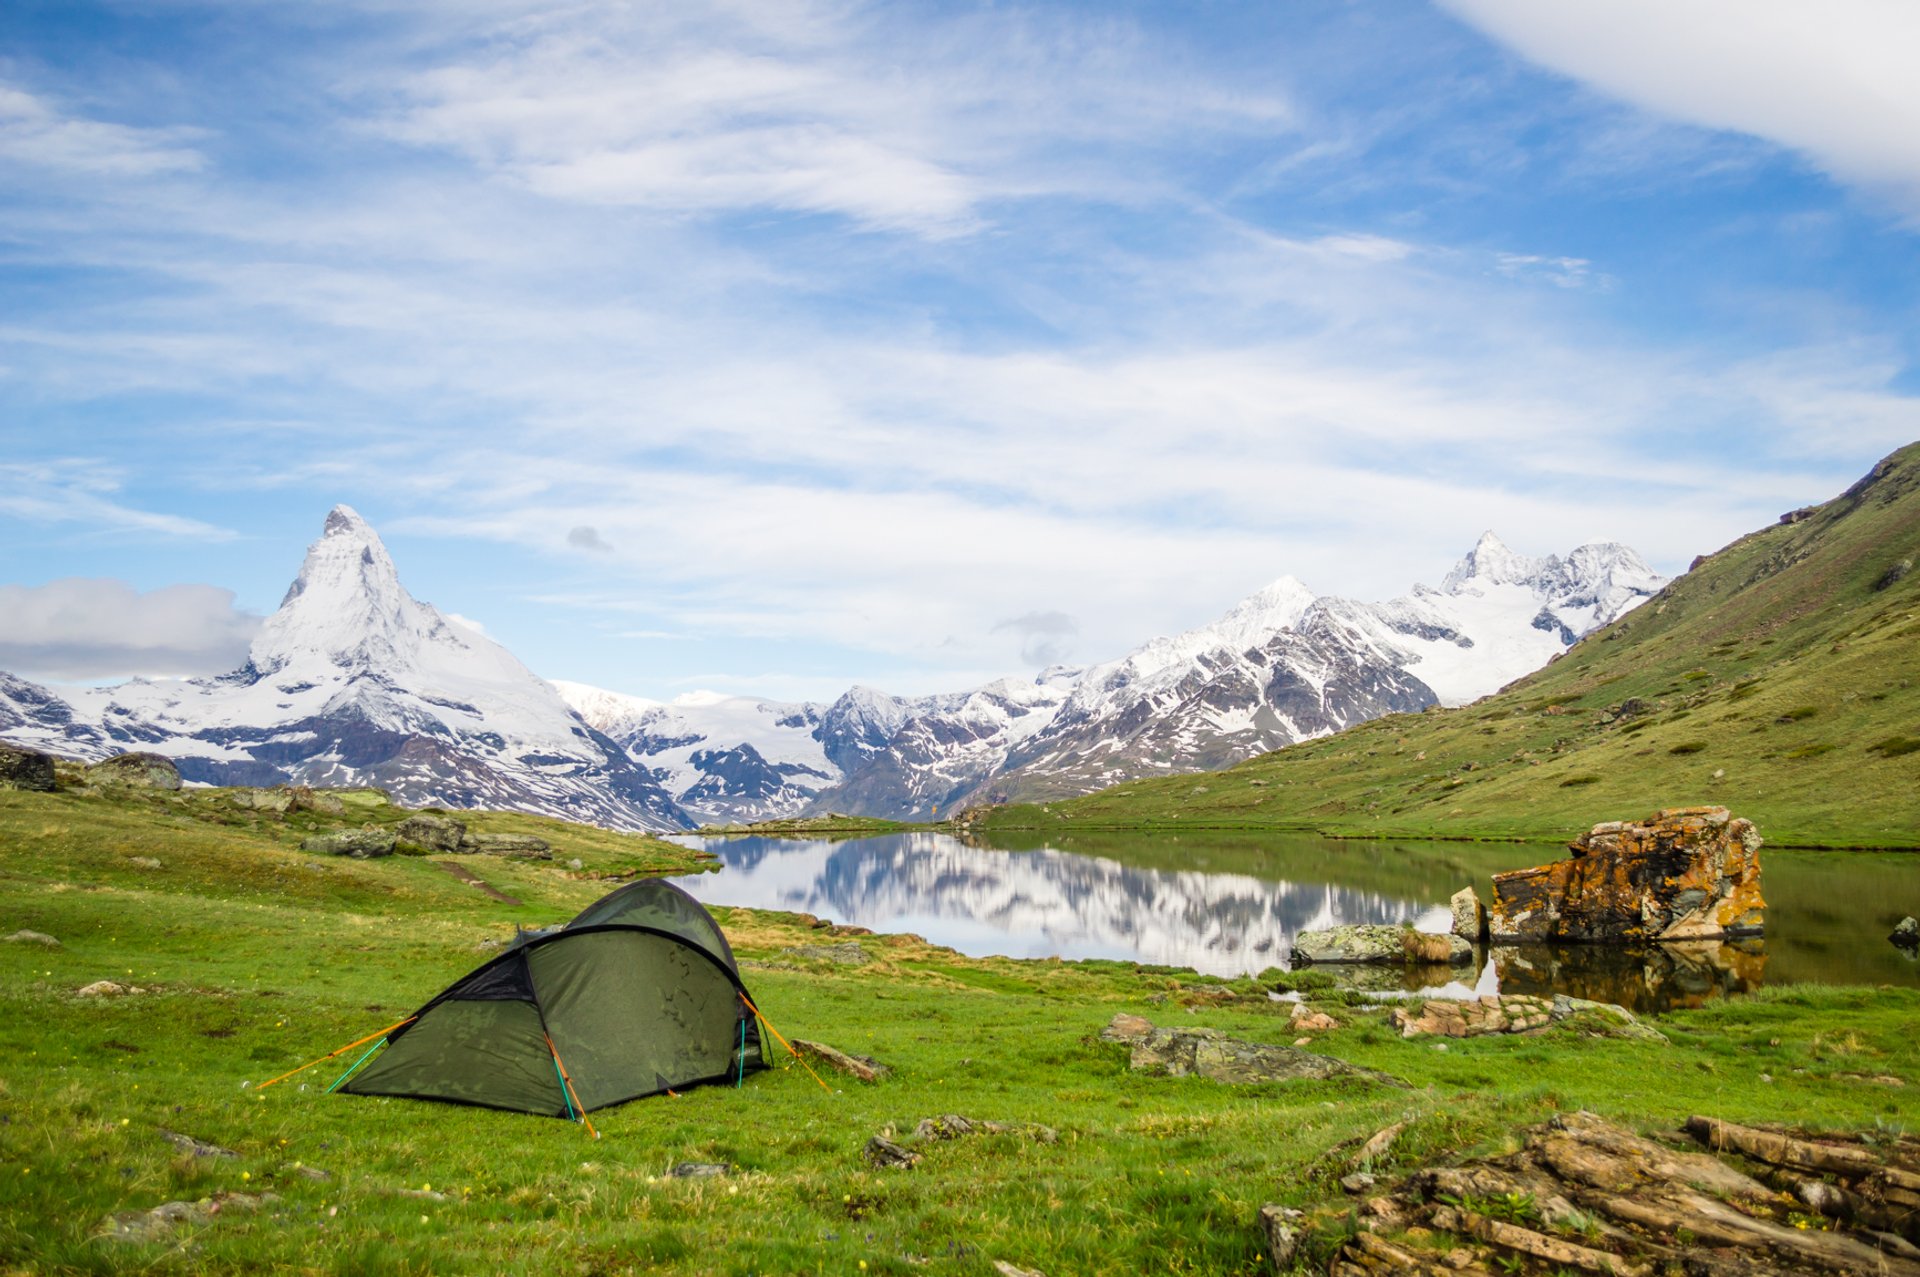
(1687,873)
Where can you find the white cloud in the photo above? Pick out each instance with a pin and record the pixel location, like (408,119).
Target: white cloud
(37,133)
(1834,80)
(83,628)
(914,128)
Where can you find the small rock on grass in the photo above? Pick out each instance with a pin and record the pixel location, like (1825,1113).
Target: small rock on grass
(33,937)
(103,989)
(1283,1227)
(886,1155)
(1005,1269)
(195,1148)
(1907,933)
(698,1170)
(951,1126)
(863,1067)
(157,1224)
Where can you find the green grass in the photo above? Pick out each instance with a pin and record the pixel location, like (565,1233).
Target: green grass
(1780,678)
(255,957)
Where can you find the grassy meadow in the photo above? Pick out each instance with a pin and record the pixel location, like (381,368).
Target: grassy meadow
(253,956)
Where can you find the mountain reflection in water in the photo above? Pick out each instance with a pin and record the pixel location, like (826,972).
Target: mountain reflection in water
(1231,904)
(1036,904)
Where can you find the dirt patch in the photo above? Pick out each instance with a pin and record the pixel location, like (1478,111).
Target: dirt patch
(467,875)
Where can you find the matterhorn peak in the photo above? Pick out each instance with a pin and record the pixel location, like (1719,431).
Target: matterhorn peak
(346,605)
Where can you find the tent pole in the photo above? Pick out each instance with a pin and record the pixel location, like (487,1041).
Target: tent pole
(355,1065)
(566,1082)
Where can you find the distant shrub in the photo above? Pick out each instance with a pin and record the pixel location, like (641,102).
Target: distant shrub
(1895,746)
(1572,781)
(1688,747)
(1641,725)
(1743,690)
(1810,751)
(1798,713)
(1694,676)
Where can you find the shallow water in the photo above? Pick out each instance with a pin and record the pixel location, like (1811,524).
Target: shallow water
(1231,904)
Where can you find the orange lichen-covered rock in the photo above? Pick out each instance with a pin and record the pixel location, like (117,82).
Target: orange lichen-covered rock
(1688,873)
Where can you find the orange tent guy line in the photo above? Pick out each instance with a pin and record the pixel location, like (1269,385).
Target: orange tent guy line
(783,1042)
(341,1051)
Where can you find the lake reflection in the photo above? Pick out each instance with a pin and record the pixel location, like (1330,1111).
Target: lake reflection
(1044,903)
(1232,904)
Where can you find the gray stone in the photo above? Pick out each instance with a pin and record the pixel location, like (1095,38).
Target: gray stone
(519,846)
(1377,945)
(847,954)
(1907,933)
(318,801)
(699,1170)
(361,844)
(33,937)
(136,771)
(102,989)
(1283,1226)
(1210,1053)
(1469,916)
(195,1148)
(951,1126)
(158,1224)
(268,800)
(436,833)
(26,769)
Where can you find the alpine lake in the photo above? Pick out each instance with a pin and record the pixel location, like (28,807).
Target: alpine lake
(1230,904)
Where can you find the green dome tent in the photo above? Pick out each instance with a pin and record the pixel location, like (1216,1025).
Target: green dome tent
(637,995)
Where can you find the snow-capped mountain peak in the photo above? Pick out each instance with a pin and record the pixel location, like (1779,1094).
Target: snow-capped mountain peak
(353,681)
(1490,562)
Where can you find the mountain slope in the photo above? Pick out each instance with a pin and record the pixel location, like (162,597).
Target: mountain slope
(1285,666)
(1777,677)
(353,681)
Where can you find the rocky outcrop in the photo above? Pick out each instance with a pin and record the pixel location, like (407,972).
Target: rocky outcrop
(1907,933)
(26,769)
(361,844)
(434,832)
(519,846)
(1516,1013)
(1210,1053)
(1689,873)
(1585,1195)
(138,771)
(1377,945)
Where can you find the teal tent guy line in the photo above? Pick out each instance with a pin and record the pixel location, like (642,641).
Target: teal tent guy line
(562,1078)
(356,1064)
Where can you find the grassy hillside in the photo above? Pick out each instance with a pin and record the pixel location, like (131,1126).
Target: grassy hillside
(1779,677)
(251,956)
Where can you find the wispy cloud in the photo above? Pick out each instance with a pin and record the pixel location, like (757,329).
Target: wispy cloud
(86,492)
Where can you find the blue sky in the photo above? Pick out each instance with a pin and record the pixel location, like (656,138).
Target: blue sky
(773,347)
